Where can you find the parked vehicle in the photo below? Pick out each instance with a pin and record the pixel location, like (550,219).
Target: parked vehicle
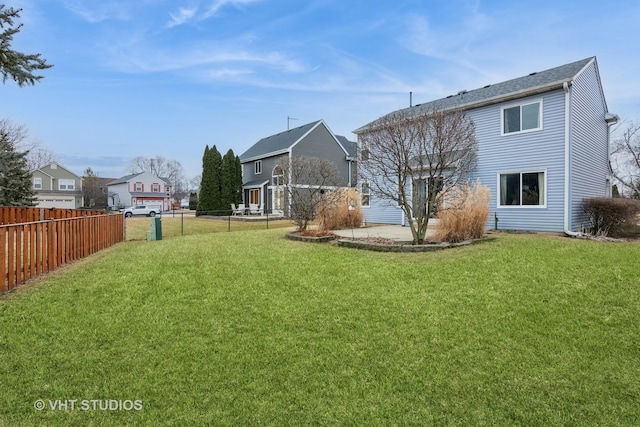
(146,210)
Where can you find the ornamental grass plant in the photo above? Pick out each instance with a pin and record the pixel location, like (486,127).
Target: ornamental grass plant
(464,215)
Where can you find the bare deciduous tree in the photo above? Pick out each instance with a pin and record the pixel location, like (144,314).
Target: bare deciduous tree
(625,158)
(17,136)
(307,182)
(413,160)
(159,166)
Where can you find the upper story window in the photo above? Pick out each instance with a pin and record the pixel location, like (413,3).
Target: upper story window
(364,152)
(277,177)
(522,189)
(257,167)
(155,188)
(137,186)
(522,118)
(37,183)
(66,184)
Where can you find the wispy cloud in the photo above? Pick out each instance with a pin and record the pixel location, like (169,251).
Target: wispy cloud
(185,15)
(94,12)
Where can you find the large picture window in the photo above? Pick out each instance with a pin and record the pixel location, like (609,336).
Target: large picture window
(522,189)
(522,118)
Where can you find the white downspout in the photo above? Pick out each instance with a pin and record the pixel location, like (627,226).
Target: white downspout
(567,163)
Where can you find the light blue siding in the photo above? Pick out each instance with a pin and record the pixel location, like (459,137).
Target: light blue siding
(589,166)
(540,150)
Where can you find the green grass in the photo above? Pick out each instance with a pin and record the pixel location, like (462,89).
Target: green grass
(248,328)
(175,226)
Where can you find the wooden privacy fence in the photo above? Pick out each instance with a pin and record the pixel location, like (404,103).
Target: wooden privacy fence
(32,248)
(13,215)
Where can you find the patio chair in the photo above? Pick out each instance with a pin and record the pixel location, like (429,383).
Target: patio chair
(254,209)
(239,210)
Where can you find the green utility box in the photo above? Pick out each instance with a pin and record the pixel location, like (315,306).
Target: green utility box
(156,229)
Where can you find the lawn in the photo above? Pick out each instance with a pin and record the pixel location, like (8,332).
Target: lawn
(248,328)
(176,225)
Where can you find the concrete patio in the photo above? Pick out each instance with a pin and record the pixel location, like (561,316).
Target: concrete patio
(394,232)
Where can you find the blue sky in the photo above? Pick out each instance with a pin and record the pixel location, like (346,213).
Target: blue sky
(166,77)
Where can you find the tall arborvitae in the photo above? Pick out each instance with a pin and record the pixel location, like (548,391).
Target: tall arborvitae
(206,196)
(237,182)
(221,182)
(231,179)
(16,188)
(216,166)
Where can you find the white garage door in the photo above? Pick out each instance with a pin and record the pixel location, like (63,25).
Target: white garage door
(57,202)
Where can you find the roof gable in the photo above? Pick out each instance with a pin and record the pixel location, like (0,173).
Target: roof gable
(50,169)
(537,82)
(278,143)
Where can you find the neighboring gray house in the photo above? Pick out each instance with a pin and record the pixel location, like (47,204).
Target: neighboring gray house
(543,147)
(57,187)
(261,177)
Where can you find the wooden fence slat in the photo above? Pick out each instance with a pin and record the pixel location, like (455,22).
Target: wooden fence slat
(36,247)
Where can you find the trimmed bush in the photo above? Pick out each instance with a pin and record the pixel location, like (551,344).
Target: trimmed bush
(614,217)
(465,214)
(337,215)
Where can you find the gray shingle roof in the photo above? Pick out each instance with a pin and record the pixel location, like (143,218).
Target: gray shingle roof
(350,146)
(277,143)
(123,179)
(133,175)
(518,87)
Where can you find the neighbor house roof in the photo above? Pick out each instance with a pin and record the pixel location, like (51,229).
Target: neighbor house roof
(537,82)
(128,178)
(278,143)
(282,142)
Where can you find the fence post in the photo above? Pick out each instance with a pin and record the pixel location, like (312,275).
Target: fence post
(229,223)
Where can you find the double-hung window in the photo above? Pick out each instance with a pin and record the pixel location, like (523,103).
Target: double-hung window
(522,189)
(155,188)
(522,118)
(137,187)
(66,184)
(37,183)
(257,167)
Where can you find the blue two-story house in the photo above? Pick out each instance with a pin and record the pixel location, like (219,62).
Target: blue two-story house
(545,134)
(262,178)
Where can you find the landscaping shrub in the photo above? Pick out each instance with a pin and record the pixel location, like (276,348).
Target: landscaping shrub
(336,215)
(614,217)
(465,214)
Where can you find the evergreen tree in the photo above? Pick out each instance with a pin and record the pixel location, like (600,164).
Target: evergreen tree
(16,65)
(229,188)
(16,188)
(216,167)
(206,195)
(237,183)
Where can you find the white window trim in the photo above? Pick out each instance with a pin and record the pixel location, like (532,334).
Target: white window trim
(66,183)
(36,182)
(522,171)
(257,167)
(521,104)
